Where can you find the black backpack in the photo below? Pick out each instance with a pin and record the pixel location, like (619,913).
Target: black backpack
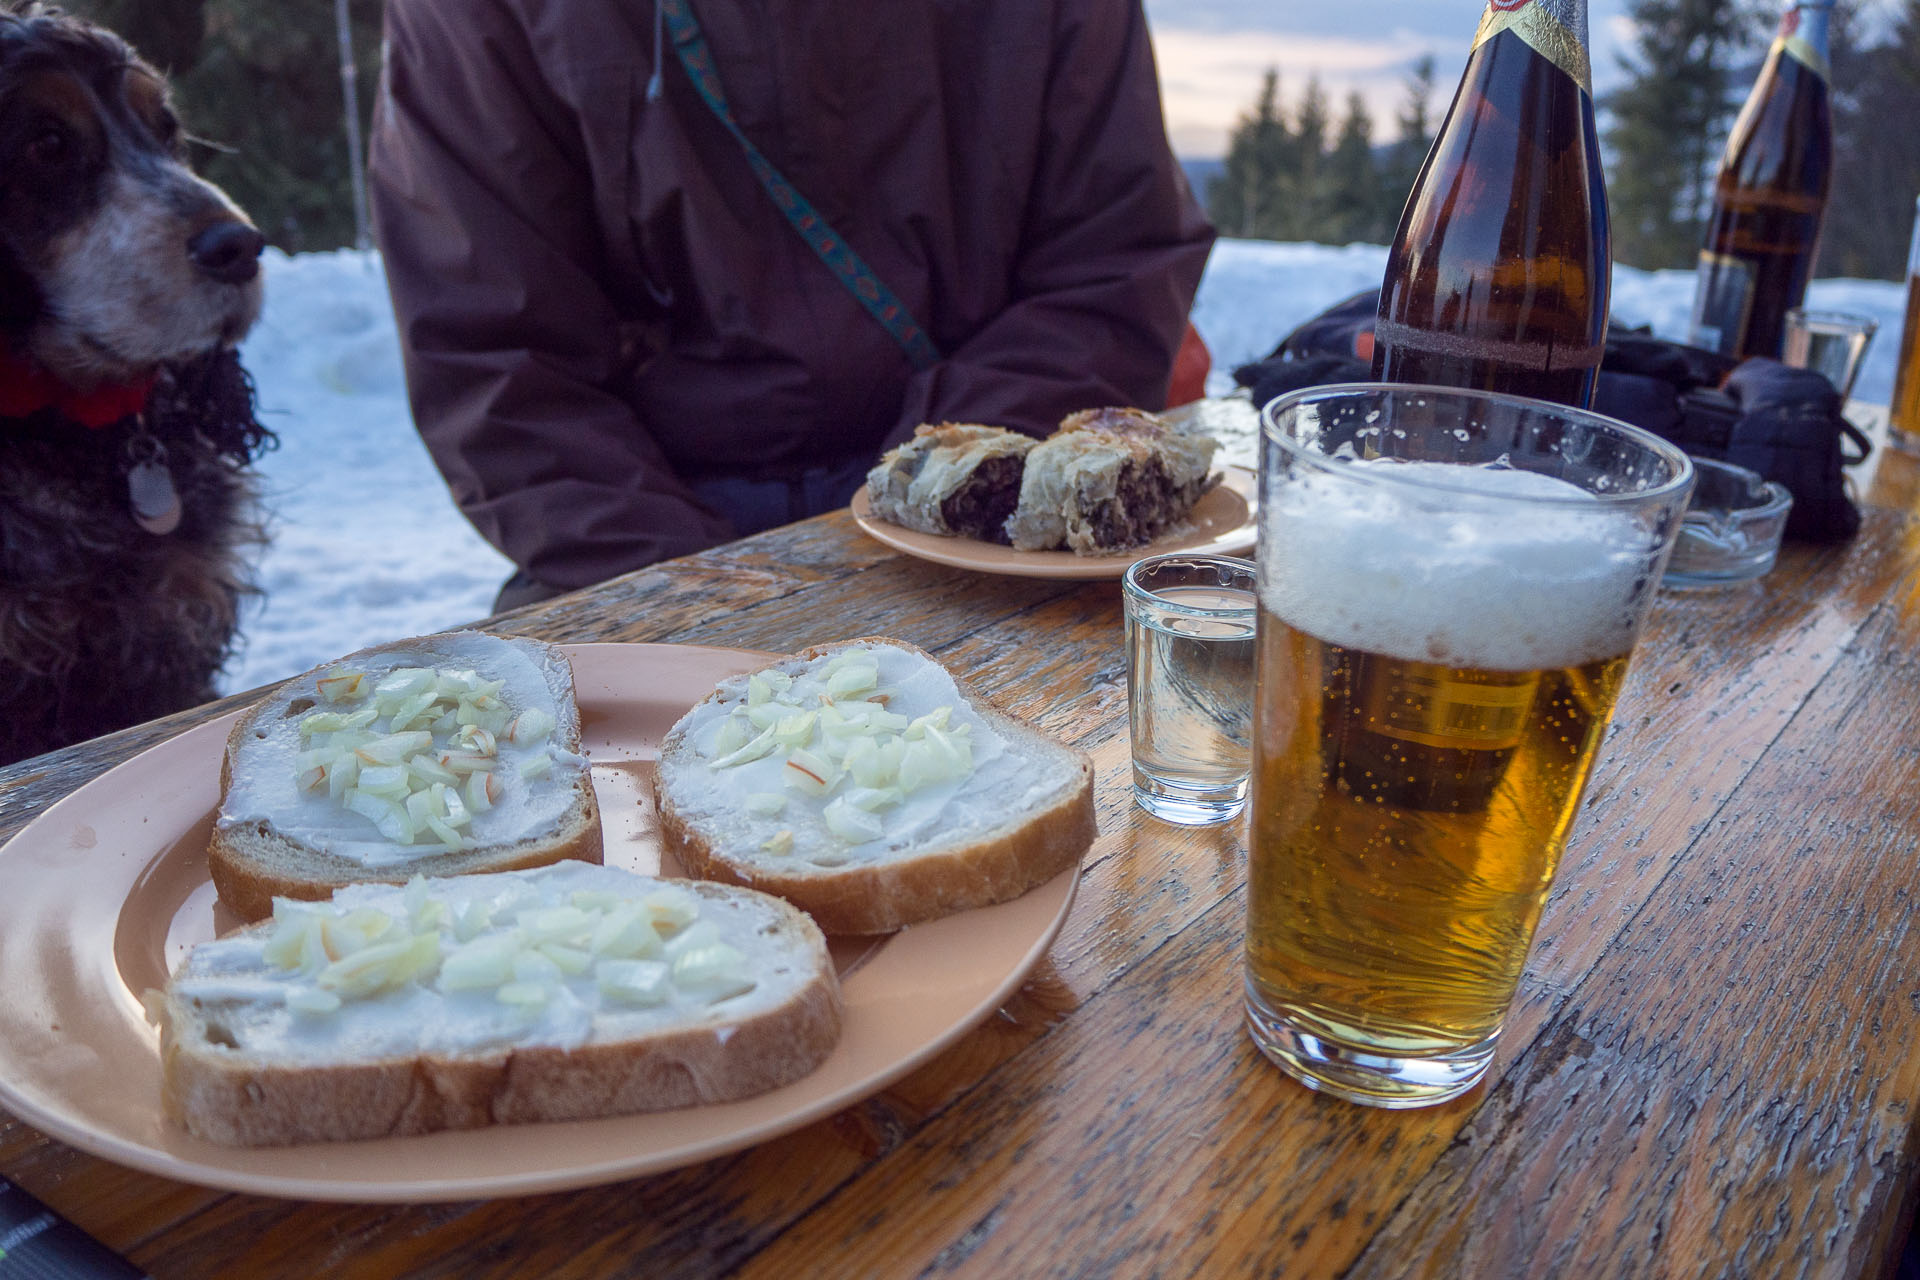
(1783,423)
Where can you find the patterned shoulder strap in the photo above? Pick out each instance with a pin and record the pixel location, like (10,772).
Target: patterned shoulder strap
(847,266)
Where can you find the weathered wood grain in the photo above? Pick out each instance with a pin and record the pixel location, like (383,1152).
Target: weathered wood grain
(116,1204)
(1742,1065)
(1710,1069)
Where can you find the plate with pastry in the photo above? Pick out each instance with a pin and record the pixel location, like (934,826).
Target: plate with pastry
(515,985)
(1110,486)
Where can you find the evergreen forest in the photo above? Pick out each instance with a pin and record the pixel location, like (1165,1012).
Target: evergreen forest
(261,83)
(1289,175)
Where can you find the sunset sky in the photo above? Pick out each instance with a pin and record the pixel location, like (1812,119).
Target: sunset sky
(1212,54)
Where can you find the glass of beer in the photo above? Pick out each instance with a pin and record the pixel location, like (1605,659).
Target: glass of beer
(1906,369)
(1450,584)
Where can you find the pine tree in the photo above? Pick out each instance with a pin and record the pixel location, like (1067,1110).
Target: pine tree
(1304,183)
(1353,186)
(1246,200)
(260,80)
(1412,141)
(1670,123)
(1876,167)
(168,33)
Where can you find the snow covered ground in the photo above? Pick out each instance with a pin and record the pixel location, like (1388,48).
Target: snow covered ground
(1255,291)
(368,546)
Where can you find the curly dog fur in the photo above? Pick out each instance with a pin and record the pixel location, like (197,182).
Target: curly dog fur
(117,266)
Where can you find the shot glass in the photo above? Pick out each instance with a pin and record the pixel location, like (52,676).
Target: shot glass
(1830,342)
(1450,585)
(1190,645)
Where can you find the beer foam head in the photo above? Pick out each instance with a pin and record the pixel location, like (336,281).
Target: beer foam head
(1377,557)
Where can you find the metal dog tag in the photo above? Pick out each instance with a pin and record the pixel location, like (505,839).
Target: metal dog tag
(151,495)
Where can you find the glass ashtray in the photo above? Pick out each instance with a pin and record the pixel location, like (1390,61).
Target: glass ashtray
(1731,532)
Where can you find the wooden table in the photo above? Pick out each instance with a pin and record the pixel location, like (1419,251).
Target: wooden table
(1713,1067)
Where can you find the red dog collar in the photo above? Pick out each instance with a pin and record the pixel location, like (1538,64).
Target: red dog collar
(27,388)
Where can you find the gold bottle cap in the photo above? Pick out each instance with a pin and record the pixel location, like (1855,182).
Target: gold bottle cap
(1796,46)
(1556,29)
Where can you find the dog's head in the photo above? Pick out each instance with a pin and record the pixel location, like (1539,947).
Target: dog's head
(114,257)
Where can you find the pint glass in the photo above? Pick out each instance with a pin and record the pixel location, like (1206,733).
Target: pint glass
(1906,369)
(1450,584)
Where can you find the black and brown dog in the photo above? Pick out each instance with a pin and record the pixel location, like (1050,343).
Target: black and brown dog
(126,424)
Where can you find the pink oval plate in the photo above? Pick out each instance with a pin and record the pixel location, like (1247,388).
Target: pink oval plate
(1221,524)
(108,888)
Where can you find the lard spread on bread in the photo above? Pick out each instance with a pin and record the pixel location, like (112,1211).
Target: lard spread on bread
(655,993)
(867,785)
(461,747)
(850,759)
(410,748)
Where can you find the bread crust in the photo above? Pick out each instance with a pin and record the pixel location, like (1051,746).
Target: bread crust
(1026,852)
(253,863)
(248,882)
(226,1098)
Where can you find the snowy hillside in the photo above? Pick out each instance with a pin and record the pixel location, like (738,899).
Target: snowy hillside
(367,545)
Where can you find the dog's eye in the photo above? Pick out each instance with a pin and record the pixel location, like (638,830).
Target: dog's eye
(47,147)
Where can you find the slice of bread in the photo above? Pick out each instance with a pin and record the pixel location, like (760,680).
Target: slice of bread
(871,791)
(310,772)
(565,992)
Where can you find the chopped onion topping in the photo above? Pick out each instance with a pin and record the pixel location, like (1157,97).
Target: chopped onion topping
(530,726)
(341,685)
(643,951)
(643,982)
(831,724)
(715,971)
(850,823)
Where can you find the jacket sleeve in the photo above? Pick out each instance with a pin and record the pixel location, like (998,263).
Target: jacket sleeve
(484,210)
(1111,252)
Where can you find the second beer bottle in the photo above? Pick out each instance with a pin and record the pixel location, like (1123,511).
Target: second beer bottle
(1770,195)
(1499,275)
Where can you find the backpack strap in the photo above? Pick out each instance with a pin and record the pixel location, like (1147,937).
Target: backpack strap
(832,249)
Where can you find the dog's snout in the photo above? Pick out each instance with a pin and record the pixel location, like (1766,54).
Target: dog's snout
(227,251)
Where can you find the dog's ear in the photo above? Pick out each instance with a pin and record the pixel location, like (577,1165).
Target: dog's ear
(20,300)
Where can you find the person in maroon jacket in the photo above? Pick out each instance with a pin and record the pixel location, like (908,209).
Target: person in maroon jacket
(619,349)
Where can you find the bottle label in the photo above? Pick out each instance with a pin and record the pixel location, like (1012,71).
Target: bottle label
(1537,354)
(1556,29)
(1722,302)
(1444,707)
(1796,43)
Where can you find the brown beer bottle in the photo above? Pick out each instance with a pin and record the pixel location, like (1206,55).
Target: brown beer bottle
(1499,275)
(1770,195)
(1498,280)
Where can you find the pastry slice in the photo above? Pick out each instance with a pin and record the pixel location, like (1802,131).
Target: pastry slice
(956,479)
(1108,480)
